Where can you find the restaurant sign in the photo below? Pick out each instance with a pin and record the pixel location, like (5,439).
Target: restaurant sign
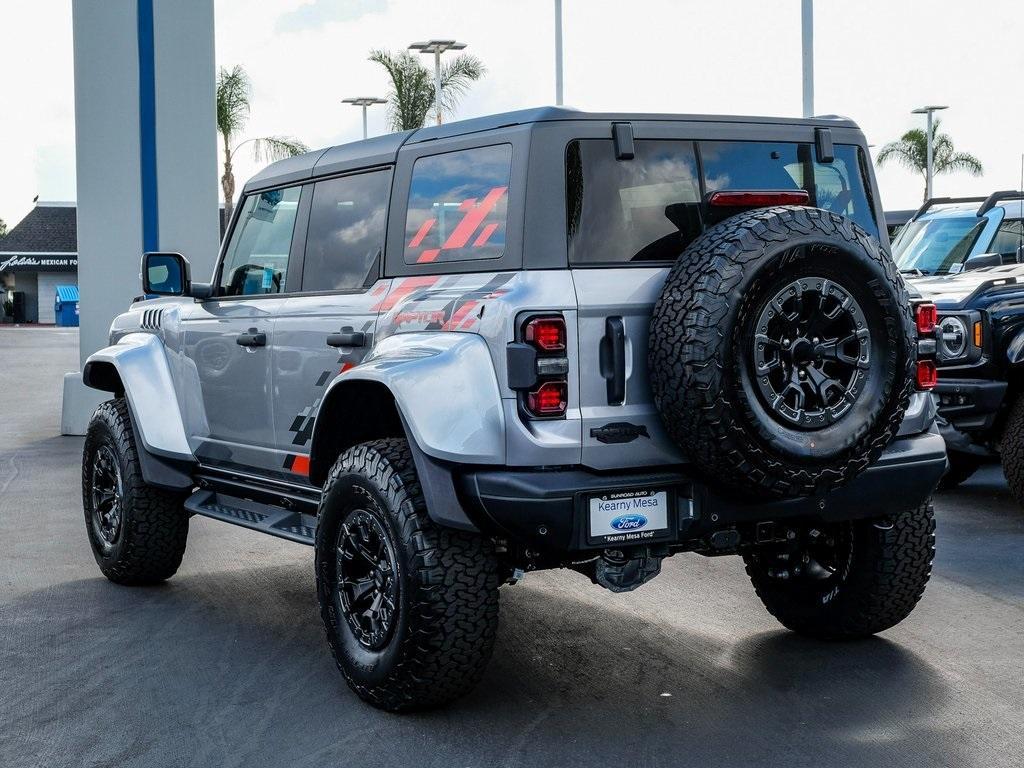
(39,262)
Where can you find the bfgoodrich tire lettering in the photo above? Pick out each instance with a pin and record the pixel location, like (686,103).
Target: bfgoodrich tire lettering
(146,541)
(435,644)
(708,364)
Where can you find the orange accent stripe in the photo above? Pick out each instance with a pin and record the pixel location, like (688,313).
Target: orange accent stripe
(485,235)
(460,236)
(421,233)
(428,255)
(301,465)
(467,204)
(346,367)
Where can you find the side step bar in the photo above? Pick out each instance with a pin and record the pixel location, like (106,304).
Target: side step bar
(284,523)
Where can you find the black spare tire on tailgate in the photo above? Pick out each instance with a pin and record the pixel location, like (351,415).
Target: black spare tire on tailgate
(782,351)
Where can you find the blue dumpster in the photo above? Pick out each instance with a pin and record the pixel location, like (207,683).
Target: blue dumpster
(65,305)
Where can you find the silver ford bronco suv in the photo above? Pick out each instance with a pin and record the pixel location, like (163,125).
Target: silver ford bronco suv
(545,339)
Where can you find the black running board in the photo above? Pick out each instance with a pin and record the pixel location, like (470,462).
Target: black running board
(283,523)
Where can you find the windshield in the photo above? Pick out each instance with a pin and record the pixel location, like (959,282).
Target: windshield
(936,246)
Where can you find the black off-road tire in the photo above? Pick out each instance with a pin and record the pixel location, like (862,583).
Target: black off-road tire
(1011,450)
(442,633)
(702,347)
(153,528)
(882,576)
(961,467)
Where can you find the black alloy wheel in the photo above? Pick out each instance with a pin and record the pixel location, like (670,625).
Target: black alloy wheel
(107,493)
(367,579)
(811,352)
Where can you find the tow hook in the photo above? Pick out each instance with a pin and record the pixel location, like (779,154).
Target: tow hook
(618,573)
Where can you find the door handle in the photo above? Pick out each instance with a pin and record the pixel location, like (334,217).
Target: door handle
(613,359)
(347,339)
(251,338)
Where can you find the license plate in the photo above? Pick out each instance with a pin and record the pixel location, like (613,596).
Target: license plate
(628,516)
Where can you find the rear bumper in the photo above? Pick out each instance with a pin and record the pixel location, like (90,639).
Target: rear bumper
(546,509)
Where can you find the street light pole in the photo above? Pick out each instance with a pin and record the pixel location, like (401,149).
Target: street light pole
(807,29)
(437,47)
(364,102)
(929,149)
(558,52)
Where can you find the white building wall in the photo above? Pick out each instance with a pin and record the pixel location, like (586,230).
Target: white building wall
(109,140)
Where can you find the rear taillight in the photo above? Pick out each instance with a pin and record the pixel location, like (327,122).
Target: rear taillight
(546,393)
(927,374)
(926,315)
(758,198)
(549,399)
(546,333)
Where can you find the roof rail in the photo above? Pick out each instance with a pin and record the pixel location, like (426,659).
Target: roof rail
(943,200)
(998,197)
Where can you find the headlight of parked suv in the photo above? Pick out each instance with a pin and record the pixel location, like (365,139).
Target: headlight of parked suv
(959,337)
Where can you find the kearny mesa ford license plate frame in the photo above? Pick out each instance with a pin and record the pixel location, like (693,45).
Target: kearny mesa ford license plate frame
(625,517)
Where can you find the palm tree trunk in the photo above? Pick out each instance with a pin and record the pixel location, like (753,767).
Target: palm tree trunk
(227,183)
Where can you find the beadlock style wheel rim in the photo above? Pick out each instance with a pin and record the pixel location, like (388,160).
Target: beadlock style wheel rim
(367,587)
(107,493)
(811,353)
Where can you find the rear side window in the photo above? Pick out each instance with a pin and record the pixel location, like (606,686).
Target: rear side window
(257,257)
(345,238)
(644,209)
(650,208)
(458,206)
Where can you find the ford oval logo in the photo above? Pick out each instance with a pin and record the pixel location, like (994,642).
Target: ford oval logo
(632,522)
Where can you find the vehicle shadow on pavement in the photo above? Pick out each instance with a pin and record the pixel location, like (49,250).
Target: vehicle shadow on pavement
(231,667)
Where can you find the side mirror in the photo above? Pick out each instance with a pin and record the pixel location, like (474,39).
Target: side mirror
(165,274)
(983,260)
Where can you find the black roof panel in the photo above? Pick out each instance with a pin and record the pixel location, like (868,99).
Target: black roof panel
(45,229)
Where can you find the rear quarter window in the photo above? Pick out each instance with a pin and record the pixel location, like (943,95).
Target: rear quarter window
(458,206)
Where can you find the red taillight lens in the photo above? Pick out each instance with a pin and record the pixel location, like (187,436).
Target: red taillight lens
(546,333)
(758,199)
(927,374)
(927,316)
(549,399)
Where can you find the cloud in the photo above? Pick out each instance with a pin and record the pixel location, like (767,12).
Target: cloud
(316,13)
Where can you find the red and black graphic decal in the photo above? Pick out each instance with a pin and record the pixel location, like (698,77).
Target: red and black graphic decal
(297,463)
(302,424)
(473,215)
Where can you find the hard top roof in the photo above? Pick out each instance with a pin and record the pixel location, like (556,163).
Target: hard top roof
(381,150)
(1013,209)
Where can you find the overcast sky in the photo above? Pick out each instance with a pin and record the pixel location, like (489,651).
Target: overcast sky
(875,61)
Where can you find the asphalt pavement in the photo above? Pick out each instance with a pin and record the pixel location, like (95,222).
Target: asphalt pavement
(226,664)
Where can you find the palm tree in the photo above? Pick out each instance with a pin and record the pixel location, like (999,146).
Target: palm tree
(412,86)
(911,151)
(234,92)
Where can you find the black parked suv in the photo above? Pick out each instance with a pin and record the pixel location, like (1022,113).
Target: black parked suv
(980,346)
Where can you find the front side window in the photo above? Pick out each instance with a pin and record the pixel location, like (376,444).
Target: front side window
(256,261)
(938,245)
(458,206)
(1009,237)
(345,239)
(837,186)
